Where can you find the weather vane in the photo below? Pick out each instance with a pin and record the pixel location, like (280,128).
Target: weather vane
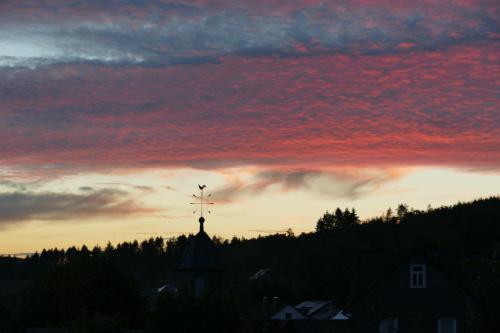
(202,200)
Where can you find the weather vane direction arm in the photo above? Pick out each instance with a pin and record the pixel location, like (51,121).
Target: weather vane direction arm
(201,200)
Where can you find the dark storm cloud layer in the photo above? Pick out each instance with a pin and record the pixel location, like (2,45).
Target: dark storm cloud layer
(156,33)
(24,206)
(300,85)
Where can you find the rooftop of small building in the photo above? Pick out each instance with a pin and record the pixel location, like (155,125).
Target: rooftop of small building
(200,252)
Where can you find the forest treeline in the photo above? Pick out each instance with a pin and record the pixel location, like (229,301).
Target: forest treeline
(110,287)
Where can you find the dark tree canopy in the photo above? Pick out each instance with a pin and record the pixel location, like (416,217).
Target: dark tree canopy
(338,219)
(82,288)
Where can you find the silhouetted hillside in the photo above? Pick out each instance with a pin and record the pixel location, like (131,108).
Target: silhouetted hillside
(58,286)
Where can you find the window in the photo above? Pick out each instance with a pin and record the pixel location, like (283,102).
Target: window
(447,325)
(388,325)
(199,286)
(417,276)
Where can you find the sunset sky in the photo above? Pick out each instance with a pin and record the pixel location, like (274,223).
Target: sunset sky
(111,113)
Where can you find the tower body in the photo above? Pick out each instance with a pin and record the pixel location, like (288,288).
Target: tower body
(200,269)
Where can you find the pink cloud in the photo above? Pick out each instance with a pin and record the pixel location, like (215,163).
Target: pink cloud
(419,108)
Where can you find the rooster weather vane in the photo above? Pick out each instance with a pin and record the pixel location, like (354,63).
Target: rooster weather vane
(201,202)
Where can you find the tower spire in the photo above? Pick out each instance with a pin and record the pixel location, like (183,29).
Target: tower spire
(201,201)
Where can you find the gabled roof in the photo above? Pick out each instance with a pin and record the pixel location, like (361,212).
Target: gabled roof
(341,316)
(168,288)
(291,311)
(313,310)
(308,308)
(371,267)
(377,266)
(261,273)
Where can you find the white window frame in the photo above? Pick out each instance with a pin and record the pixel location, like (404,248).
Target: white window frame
(420,272)
(440,324)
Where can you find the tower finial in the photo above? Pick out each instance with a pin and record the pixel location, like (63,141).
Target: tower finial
(201,201)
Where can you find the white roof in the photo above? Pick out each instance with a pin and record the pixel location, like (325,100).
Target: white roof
(309,307)
(260,273)
(341,316)
(290,311)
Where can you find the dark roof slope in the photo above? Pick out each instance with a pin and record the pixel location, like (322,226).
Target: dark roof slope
(372,267)
(200,254)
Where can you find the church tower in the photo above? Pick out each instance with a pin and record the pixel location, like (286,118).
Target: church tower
(200,269)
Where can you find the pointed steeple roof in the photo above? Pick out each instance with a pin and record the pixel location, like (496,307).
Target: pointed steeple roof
(201,253)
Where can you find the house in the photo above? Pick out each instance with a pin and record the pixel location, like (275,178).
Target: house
(318,310)
(311,316)
(401,292)
(288,312)
(311,310)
